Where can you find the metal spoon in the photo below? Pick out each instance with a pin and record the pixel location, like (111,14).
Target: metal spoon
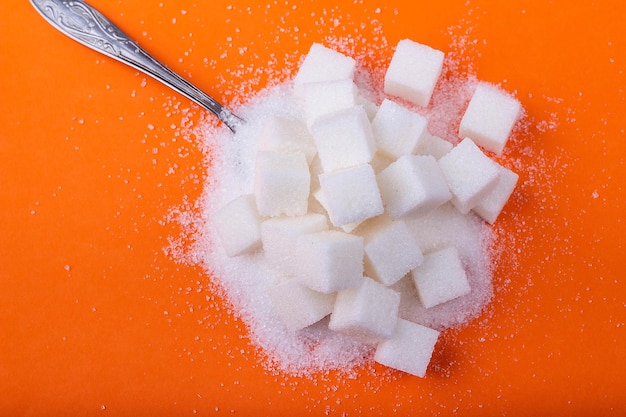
(83,23)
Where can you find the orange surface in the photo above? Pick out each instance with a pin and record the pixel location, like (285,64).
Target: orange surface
(97,319)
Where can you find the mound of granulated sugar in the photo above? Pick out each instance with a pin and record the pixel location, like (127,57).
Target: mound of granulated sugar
(340,138)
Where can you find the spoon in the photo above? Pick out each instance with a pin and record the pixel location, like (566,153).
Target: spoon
(84,24)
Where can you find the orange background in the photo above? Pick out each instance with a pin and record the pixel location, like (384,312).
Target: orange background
(96,318)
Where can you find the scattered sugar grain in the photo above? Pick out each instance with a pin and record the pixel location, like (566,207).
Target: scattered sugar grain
(245,280)
(446,227)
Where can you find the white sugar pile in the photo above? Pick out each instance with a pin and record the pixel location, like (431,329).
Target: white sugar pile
(246,280)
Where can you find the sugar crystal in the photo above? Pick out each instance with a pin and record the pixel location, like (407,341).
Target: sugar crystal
(297,180)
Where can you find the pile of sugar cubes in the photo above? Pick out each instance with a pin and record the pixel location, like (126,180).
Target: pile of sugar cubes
(332,192)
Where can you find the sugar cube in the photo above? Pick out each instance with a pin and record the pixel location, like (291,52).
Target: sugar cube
(413,72)
(447,226)
(284,135)
(330,260)
(370,106)
(391,252)
(320,198)
(281,183)
(413,184)
(433,145)
(409,349)
(470,174)
(351,195)
(441,277)
(490,117)
(237,225)
(490,207)
(367,313)
(298,306)
(397,130)
(344,139)
(280,234)
(323,98)
(323,64)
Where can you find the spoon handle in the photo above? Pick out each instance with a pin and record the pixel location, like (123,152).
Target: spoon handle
(83,23)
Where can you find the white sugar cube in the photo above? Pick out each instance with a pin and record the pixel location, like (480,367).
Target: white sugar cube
(315,205)
(330,260)
(446,226)
(298,306)
(413,72)
(490,117)
(323,98)
(344,139)
(280,234)
(470,174)
(490,207)
(367,313)
(238,226)
(351,195)
(281,183)
(409,349)
(320,198)
(433,145)
(397,130)
(391,252)
(280,134)
(323,64)
(413,184)
(370,107)
(440,277)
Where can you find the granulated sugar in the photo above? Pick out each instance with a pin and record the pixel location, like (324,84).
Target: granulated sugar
(245,280)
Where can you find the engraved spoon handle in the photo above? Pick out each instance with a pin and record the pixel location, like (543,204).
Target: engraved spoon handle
(83,23)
